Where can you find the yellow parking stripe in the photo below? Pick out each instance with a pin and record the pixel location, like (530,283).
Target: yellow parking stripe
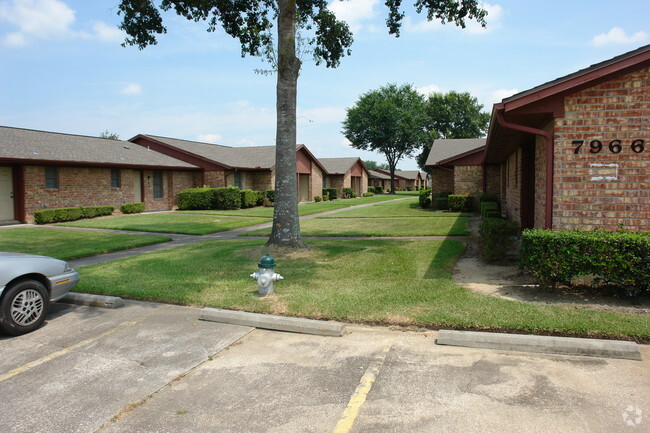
(357,400)
(18,370)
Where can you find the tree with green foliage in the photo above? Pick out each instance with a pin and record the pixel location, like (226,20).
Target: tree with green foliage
(374,165)
(453,115)
(391,120)
(252,22)
(109,135)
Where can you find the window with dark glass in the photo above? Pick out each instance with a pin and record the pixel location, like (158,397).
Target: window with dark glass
(238,182)
(116,180)
(51,178)
(157,184)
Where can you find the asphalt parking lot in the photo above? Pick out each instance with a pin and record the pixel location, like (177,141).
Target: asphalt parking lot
(149,367)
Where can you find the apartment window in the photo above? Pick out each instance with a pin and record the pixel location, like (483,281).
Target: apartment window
(157,184)
(116,180)
(238,182)
(51,178)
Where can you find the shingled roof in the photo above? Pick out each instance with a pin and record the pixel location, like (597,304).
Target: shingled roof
(410,174)
(445,149)
(379,175)
(28,145)
(338,165)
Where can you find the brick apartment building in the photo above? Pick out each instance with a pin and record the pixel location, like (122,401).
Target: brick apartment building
(457,166)
(244,167)
(345,173)
(574,153)
(41,170)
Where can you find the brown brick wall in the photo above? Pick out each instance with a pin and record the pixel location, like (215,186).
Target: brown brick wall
(468,179)
(512,186)
(441,180)
(584,197)
(493,179)
(215,179)
(316,183)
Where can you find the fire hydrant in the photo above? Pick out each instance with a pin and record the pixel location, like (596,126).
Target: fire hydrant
(266,275)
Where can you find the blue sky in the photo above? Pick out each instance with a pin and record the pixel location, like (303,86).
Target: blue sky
(62,68)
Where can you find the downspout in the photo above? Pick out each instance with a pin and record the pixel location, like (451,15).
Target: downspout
(548,222)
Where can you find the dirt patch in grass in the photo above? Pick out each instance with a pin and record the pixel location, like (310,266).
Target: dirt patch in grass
(276,304)
(510,282)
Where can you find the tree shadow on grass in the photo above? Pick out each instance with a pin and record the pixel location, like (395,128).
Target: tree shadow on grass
(444,260)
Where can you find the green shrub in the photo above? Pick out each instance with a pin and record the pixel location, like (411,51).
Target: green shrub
(424,198)
(248,198)
(132,207)
(228,198)
(379,189)
(410,188)
(496,237)
(489,206)
(332,193)
(354,195)
(368,194)
(196,198)
(442,203)
(58,215)
(493,214)
(485,197)
(317,199)
(259,200)
(613,257)
(95,211)
(347,193)
(326,197)
(417,188)
(461,203)
(270,195)
(444,194)
(371,189)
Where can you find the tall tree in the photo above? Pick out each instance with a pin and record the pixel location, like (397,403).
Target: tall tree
(374,165)
(252,23)
(453,115)
(109,135)
(391,120)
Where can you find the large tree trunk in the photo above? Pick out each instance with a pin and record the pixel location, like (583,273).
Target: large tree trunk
(286,225)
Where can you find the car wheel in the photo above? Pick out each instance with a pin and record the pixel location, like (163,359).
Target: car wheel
(24,307)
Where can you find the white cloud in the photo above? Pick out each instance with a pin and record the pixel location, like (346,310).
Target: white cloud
(495,14)
(427,90)
(354,12)
(107,33)
(500,94)
(131,89)
(209,138)
(618,36)
(36,19)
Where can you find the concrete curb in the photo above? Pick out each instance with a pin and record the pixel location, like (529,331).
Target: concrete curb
(277,323)
(541,344)
(93,300)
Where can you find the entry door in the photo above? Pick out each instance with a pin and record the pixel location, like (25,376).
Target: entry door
(304,187)
(6,194)
(137,186)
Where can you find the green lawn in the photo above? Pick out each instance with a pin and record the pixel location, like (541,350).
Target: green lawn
(170,223)
(369,281)
(378,227)
(303,208)
(400,208)
(70,244)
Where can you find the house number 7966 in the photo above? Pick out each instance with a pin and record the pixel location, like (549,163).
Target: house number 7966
(614,146)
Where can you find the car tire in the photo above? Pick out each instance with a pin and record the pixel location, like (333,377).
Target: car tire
(24,307)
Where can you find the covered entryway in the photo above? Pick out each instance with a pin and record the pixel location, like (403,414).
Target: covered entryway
(303,188)
(137,186)
(6,194)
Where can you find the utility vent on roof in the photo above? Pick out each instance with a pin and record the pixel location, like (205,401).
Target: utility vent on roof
(126,147)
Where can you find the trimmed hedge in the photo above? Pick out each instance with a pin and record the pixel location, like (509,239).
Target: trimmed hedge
(371,189)
(261,195)
(496,237)
(424,198)
(228,198)
(45,216)
(379,190)
(410,188)
(332,193)
(248,198)
(270,195)
(132,207)
(461,203)
(485,197)
(196,198)
(347,193)
(318,199)
(613,257)
(442,203)
(489,206)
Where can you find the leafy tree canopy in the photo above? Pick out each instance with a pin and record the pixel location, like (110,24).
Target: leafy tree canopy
(391,121)
(374,165)
(109,135)
(453,115)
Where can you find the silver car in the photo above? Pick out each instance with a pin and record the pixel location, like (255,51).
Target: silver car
(28,283)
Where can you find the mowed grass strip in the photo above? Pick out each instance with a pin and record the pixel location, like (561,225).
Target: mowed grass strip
(303,208)
(169,223)
(378,227)
(392,209)
(70,244)
(369,281)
